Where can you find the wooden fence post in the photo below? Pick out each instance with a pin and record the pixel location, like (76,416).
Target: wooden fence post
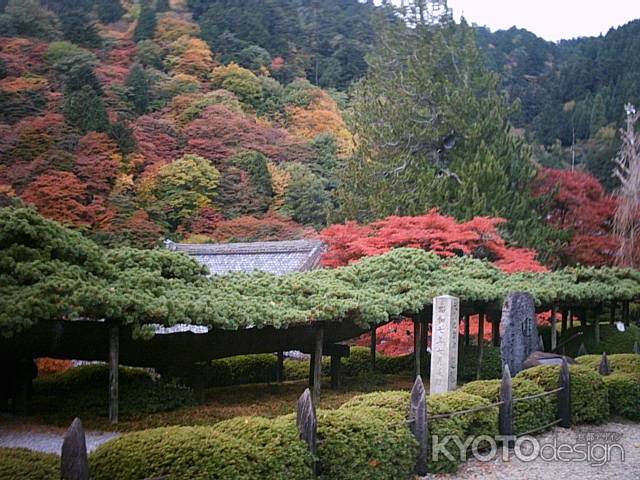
(480,344)
(636,348)
(307,423)
(419,424)
(564,395)
(317,365)
(582,350)
(114,360)
(374,342)
(505,426)
(604,368)
(73,458)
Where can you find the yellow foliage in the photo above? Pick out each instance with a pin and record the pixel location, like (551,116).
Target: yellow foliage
(220,74)
(27,83)
(190,56)
(569,106)
(197,238)
(7,191)
(172,26)
(280,179)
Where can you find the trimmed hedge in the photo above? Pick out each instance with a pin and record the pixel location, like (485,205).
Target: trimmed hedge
(287,457)
(589,401)
(364,443)
(528,415)
(611,340)
(196,453)
(484,422)
(19,463)
(80,391)
(624,394)
(397,400)
(620,362)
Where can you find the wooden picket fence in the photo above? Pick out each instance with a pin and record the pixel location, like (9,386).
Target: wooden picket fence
(419,419)
(74,465)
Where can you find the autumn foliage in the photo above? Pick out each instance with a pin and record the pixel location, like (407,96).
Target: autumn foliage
(441,234)
(580,205)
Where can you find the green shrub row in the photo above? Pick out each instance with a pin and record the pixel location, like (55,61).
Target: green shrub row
(589,400)
(528,415)
(18,463)
(81,391)
(612,340)
(261,368)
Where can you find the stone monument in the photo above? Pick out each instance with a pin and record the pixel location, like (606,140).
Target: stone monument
(518,330)
(444,344)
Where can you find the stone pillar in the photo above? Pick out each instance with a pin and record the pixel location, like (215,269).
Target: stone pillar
(518,330)
(444,344)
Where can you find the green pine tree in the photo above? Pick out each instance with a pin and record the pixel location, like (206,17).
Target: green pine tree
(432,131)
(147,21)
(85,110)
(138,89)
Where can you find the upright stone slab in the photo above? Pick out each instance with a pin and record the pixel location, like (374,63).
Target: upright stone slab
(518,331)
(444,344)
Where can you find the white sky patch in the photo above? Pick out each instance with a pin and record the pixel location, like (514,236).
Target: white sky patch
(550,19)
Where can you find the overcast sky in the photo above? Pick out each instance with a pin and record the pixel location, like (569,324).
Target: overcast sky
(549,19)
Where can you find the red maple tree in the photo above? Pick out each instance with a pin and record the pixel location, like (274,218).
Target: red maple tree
(438,233)
(580,204)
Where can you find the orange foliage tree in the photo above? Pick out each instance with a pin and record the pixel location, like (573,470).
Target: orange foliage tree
(97,162)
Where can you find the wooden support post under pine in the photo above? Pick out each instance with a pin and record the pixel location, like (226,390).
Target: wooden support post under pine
(564,395)
(336,364)
(506,425)
(467,335)
(417,348)
(373,347)
(114,360)
(563,325)
(625,313)
(280,367)
(317,366)
(612,319)
(554,329)
(495,331)
(480,344)
(596,330)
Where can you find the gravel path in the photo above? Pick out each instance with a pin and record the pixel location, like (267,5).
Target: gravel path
(625,434)
(18,434)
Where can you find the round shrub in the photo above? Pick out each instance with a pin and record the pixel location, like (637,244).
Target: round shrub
(529,414)
(363,443)
(624,394)
(241,369)
(27,465)
(196,453)
(398,401)
(589,403)
(484,422)
(286,456)
(620,362)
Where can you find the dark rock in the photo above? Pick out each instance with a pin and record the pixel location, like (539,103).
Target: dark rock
(518,330)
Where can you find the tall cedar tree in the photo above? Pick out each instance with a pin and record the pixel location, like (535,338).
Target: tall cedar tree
(139,90)
(85,110)
(147,21)
(109,11)
(432,131)
(79,29)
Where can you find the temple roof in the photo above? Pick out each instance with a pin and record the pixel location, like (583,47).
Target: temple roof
(273,257)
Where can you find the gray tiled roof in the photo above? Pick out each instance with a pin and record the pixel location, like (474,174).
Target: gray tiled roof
(273,257)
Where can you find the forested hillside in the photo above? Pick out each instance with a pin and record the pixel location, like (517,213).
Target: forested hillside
(221,120)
